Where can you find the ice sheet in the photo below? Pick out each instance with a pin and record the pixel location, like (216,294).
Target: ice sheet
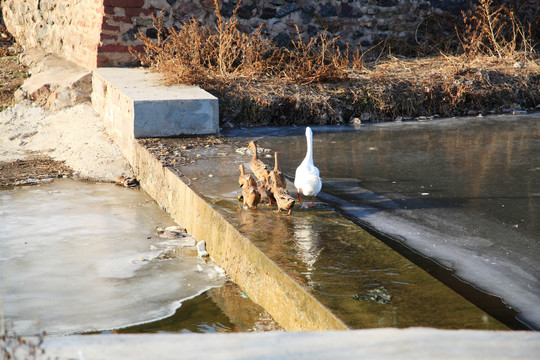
(78,257)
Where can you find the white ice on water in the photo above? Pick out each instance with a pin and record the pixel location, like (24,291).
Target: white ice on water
(444,236)
(78,257)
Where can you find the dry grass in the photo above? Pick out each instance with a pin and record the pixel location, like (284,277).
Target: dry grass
(494,31)
(494,67)
(217,55)
(449,86)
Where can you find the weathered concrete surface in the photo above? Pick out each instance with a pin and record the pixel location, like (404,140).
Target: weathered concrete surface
(135,105)
(413,343)
(54,83)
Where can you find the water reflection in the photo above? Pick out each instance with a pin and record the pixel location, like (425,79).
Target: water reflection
(336,259)
(307,245)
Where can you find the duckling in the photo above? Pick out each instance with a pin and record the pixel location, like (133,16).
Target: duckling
(280,177)
(250,193)
(284,200)
(257,166)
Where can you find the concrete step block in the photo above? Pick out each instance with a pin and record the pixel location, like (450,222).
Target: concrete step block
(133,104)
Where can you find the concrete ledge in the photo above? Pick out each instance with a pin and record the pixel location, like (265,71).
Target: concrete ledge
(133,104)
(414,343)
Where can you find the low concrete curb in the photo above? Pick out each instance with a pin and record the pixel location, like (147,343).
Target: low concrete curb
(413,343)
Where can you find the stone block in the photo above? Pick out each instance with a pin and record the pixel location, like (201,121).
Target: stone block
(133,104)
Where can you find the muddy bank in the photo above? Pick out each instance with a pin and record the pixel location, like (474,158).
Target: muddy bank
(32,171)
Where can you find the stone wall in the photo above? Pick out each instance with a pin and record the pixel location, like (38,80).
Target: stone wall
(360,23)
(100,32)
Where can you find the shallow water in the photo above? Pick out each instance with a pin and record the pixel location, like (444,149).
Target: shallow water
(463,192)
(78,257)
(335,260)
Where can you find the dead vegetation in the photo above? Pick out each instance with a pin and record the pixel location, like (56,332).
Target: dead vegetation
(493,67)
(12,72)
(196,54)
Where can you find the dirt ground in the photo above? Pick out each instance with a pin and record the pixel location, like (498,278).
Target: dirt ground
(12,75)
(36,168)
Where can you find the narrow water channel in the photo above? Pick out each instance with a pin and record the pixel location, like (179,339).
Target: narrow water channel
(463,193)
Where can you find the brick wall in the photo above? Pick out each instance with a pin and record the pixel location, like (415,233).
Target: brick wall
(121,21)
(99,32)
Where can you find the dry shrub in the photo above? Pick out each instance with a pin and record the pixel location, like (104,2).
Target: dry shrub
(178,55)
(494,30)
(234,53)
(318,60)
(197,54)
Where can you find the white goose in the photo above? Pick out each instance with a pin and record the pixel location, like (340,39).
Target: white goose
(307,180)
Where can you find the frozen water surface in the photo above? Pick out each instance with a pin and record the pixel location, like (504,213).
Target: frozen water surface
(78,257)
(463,192)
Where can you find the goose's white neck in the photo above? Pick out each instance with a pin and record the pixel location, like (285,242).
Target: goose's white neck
(309,140)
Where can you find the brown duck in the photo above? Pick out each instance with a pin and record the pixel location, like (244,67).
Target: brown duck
(250,193)
(284,200)
(257,166)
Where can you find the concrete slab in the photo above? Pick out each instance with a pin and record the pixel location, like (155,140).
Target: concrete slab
(133,104)
(413,343)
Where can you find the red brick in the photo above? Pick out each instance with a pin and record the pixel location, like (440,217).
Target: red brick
(121,19)
(106,26)
(138,12)
(113,48)
(118,48)
(124,3)
(103,60)
(108,37)
(109,10)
